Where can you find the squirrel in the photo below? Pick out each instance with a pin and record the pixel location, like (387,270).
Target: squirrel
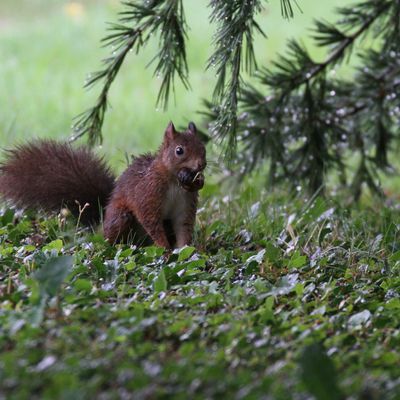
(153,201)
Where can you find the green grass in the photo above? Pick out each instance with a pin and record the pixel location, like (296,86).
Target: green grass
(47,53)
(283,298)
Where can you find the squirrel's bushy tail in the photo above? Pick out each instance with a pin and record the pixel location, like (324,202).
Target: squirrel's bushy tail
(48,175)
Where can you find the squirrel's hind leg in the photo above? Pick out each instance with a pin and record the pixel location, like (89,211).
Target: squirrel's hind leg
(117,224)
(120,225)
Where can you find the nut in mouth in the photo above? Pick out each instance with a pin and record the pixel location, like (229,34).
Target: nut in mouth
(199,175)
(189,180)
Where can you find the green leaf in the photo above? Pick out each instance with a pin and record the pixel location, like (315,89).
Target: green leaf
(185,253)
(272,252)
(160,282)
(36,314)
(393,304)
(389,358)
(395,257)
(129,266)
(54,245)
(266,312)
(299,289)
(318,373)
(7,217)
(83,285)
(52,274)
(154,251)
(125,253)
(297,261)
(194,264)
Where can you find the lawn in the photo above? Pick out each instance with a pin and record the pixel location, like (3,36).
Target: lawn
(281,299)
(282,296)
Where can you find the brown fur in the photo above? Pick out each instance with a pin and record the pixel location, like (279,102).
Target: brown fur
(48,175)
(143,190)
(146,204)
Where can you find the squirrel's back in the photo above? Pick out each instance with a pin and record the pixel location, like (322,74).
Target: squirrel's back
(49,175)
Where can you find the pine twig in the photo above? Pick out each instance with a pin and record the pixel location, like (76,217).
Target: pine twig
(137,24)
(310,121)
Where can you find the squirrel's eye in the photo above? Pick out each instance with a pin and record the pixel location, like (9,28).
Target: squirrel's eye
(179,150)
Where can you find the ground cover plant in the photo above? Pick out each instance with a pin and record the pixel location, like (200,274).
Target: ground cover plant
(279,299)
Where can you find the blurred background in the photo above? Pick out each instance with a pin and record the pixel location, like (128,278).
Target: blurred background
(48,48)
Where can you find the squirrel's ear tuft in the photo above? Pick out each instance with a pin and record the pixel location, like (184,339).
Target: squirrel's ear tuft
(192,128)
(170,132)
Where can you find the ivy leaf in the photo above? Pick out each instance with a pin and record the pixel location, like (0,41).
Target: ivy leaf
(56,245)
(83,285)
(185,253)
(395,257)
(160,282)
(272,252)
(7,217)
(318,373)
(297,261)
(52,274)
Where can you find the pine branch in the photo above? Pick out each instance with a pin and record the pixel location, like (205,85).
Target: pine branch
(325,37)
(138,23)
(287,10)
(298,68)
(143,18)
(310,121)
(236,26)
(234,36)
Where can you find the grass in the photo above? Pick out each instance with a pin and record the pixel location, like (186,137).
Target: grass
(284,299)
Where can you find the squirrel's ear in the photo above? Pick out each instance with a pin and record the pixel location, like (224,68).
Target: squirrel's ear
(192,128)
(170,132)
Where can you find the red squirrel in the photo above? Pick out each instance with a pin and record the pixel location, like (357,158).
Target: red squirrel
(154,200)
